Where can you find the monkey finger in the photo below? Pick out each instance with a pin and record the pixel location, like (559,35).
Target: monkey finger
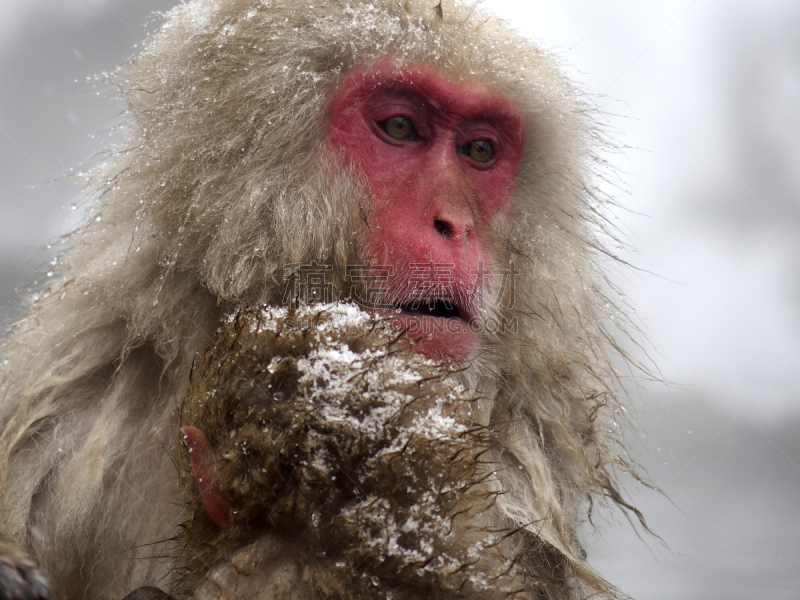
(22,580)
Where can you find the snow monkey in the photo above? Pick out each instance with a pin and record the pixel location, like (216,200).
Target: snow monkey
(416,158)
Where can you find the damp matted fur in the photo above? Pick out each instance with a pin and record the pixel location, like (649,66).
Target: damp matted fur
(353,468)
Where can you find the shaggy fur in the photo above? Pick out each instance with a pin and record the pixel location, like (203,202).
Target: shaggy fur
(353,468)
(224,180)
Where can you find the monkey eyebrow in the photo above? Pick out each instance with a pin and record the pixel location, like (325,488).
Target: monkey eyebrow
(421,98)
(436,105)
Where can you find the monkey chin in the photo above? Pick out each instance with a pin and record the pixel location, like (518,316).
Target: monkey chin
(439,338)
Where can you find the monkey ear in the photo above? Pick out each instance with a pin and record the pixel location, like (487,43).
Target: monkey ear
(204,469)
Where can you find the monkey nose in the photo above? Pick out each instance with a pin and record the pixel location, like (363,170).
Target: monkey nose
(443,228)
(453,228)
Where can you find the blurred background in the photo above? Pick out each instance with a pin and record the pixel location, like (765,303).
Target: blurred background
(703,97)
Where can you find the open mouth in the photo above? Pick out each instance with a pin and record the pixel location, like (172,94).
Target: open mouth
(444,309)
(442,328)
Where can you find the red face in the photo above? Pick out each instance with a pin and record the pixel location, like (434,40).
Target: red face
(439,159)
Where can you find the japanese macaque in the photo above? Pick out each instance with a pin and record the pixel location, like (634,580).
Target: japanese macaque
(415,157)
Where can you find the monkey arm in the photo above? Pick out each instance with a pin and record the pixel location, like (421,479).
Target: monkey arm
(326,459)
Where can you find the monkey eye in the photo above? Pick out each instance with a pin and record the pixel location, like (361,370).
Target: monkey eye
(398,128)
(481,151)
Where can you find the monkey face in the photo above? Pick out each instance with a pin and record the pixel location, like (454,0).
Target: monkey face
(439,158)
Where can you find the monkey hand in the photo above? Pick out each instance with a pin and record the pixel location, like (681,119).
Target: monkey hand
(20,577)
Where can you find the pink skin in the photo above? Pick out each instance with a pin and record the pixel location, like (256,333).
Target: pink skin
(430,203)
(204,470)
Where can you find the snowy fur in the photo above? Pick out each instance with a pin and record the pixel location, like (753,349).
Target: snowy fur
(223,181)
(353,468)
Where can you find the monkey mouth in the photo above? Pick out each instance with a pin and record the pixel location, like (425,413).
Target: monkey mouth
(441,328)
(445,309)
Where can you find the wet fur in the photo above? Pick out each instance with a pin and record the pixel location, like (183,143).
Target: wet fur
(354,468)
(223,180)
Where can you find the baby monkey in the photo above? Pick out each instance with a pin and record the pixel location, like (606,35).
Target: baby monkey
(324,458)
